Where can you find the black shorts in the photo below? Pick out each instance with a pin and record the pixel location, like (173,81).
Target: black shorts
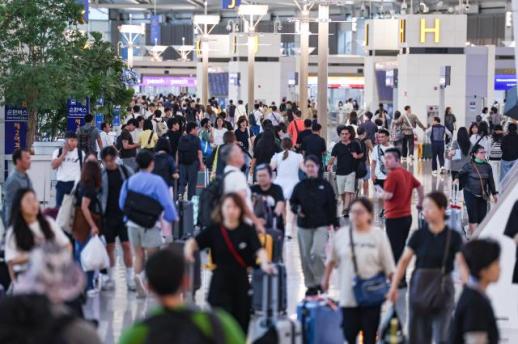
(113,230)
(380,182)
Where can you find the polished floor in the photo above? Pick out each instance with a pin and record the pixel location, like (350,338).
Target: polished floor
(118,309)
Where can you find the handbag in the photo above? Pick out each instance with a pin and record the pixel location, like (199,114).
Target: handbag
(66,213)
(206,148)
(371,291)
(431,289)
(81,228)
(485,193)
(141,209)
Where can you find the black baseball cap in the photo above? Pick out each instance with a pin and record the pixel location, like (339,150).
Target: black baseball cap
(70,135)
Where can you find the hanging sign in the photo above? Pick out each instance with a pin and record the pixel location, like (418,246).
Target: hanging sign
(155,30)
(230,4)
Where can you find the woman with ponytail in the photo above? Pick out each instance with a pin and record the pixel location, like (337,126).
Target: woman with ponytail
(287,164)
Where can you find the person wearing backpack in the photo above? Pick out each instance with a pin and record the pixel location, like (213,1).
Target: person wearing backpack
(68,162)
(89,136)
(113,176)
(378,168)
(190,160)
(173,321)
(159,124)
(144,197)
(148,138)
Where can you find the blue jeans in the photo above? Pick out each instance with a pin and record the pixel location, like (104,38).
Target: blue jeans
(62,189)
(505,167)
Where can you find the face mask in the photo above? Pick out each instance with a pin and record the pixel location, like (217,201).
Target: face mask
(477,160)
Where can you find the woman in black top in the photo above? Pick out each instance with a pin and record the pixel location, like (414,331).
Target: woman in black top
(88,216)
(264,149)
(314,203)
(430,245)
(234,246)
(474,320)
(476,178)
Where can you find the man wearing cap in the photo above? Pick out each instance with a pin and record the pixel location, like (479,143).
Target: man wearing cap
(68,162)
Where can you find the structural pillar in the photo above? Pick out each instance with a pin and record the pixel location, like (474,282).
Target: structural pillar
(304,61)
(205,71)
(515,34)
(323,57)
(251,70)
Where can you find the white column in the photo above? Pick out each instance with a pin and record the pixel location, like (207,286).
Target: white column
(304,61)
(251,70)
(130,55)
(205,71)
(323,57)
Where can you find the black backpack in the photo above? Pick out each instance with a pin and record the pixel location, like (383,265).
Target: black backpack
(171,327)
(209,199)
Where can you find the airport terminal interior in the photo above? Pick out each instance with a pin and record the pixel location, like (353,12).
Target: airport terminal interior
(259,171)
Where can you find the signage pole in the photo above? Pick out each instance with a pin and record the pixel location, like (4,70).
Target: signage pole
(323,57)
(205,71)
(304,61)
(251,70)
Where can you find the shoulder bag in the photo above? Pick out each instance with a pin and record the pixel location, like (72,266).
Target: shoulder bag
(370,291)
(483,188)
(432,289)
(66,213)
(80,226)
(141,209)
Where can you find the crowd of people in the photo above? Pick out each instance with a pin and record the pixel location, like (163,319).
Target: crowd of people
(171,149)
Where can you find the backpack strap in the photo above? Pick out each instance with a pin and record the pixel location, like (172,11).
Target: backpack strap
(80,156)
(150,136)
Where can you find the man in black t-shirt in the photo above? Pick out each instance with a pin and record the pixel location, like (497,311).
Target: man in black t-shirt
(127,148)
(347,154)
(272,195)
(173,135)
(190,159)
(313,144)
(474,320)
(113,176)
(304,133)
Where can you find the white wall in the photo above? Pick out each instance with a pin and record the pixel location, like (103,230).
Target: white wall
(419,83)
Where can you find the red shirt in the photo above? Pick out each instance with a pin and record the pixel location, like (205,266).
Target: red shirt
(401,184)
(294,130)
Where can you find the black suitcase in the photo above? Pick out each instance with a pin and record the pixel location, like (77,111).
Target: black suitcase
(184,228)
(258,276)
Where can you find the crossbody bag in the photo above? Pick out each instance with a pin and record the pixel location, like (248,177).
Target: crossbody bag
(371,291)
(432,289)
(232,248)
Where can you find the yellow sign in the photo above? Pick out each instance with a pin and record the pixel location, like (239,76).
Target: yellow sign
(366,35)
(436,30)
(402,31)
(198,47)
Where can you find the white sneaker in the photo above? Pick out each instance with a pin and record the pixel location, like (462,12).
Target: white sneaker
(411,157)
(403,159)
(108,285)
(434,173)
(141,288)
(131,285)
(92,293)
(443,170)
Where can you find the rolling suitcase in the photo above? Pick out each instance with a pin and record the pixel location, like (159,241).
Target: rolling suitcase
(184,228)
(260,279)
(271,327)
(321,321)
(202,181)
(455,211)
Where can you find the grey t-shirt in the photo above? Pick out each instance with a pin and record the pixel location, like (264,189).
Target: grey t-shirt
(93,133)
(16,181)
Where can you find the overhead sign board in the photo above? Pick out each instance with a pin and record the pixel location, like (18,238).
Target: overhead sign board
(230,4)
(504,82)
(76,112)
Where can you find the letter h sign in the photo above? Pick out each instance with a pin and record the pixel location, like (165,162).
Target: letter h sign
(436,30)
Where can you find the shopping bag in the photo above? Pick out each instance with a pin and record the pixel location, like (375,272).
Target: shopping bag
(94,256)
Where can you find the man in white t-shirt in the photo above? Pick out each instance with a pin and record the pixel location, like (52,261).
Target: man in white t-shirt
(68,162)
(234,180)
(275,116)
(378,170)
